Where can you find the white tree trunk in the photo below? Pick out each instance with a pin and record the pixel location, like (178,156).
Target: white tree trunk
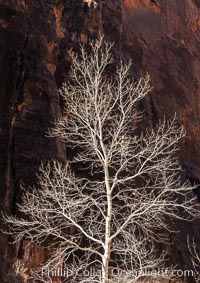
(106,257)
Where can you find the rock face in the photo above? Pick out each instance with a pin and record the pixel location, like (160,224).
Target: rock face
(161,37)
(168,36)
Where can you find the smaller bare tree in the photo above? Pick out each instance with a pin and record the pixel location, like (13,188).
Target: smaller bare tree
(90,3)
(195,258)
(107,207)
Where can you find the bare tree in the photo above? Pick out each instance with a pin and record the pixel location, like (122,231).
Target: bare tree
(195,258)
(107,207)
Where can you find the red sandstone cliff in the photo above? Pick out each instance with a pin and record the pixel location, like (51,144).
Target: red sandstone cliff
(162,37)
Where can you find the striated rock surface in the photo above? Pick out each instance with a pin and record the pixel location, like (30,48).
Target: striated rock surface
(168,36)
(161,37)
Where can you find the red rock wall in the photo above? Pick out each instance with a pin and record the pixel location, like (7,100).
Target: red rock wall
(161,37)
(168,36)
